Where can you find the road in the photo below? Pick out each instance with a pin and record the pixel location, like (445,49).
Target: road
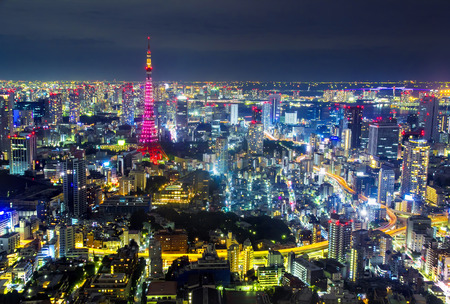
(389,229)
(344,185)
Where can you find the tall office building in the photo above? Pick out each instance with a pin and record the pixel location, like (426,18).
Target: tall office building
(275,108)
(383,140)
(66,239)
(255,138)
(128,106)
(54,111)
(221,150)
(74,107)
(415,167)
(247,259)
(156,263)
(234,114)
(266,110)
(6,120)
(353,118)
(346,140)
(182,112)
(339,238)
(428,118)
(364,144)
(74,186)
(22,153)
(386,183)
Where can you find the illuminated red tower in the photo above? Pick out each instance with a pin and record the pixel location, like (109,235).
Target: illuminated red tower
(148,141)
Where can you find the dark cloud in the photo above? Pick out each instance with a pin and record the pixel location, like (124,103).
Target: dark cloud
(224,40)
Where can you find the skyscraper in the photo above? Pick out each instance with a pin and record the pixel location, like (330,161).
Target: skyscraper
(383,140)
(127,104)
(255,138)
(6,120)
(74,186)
(55,112)
(148,141)
(234,114)
(266,110)
(182,112)
(275,108)
(22,153)
(428,117)
(222,154)
(353,117)
(74,107)
(339,238)
(386,183)
(415,167)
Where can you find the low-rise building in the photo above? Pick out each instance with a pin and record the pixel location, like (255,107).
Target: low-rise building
(113,286)
(162,291)
(9,242)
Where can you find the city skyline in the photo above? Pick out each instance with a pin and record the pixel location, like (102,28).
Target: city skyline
(136,189)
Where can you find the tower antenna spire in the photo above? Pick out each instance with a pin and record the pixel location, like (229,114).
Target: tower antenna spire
(148,140)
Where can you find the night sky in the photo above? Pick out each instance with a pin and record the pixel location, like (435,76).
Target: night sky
(284,40)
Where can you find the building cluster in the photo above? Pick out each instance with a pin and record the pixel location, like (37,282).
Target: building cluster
(104,184)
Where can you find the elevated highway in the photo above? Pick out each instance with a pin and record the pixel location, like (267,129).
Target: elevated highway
(388,229)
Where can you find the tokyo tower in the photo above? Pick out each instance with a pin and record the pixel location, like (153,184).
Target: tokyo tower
(148,141)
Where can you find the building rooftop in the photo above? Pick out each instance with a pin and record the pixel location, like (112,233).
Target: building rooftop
(162,288)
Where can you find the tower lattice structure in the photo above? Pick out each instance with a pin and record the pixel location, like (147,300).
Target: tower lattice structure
(148,141)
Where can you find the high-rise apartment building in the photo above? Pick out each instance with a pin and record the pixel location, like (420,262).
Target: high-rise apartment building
(156,263)
(74,186)
(428,117)
(55,110)
(233,257)
(339,237)
(386,183)
(255,138)
(22,153)
(383,140)
(247,259)
(66,239)
(74,107)
(415,167)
